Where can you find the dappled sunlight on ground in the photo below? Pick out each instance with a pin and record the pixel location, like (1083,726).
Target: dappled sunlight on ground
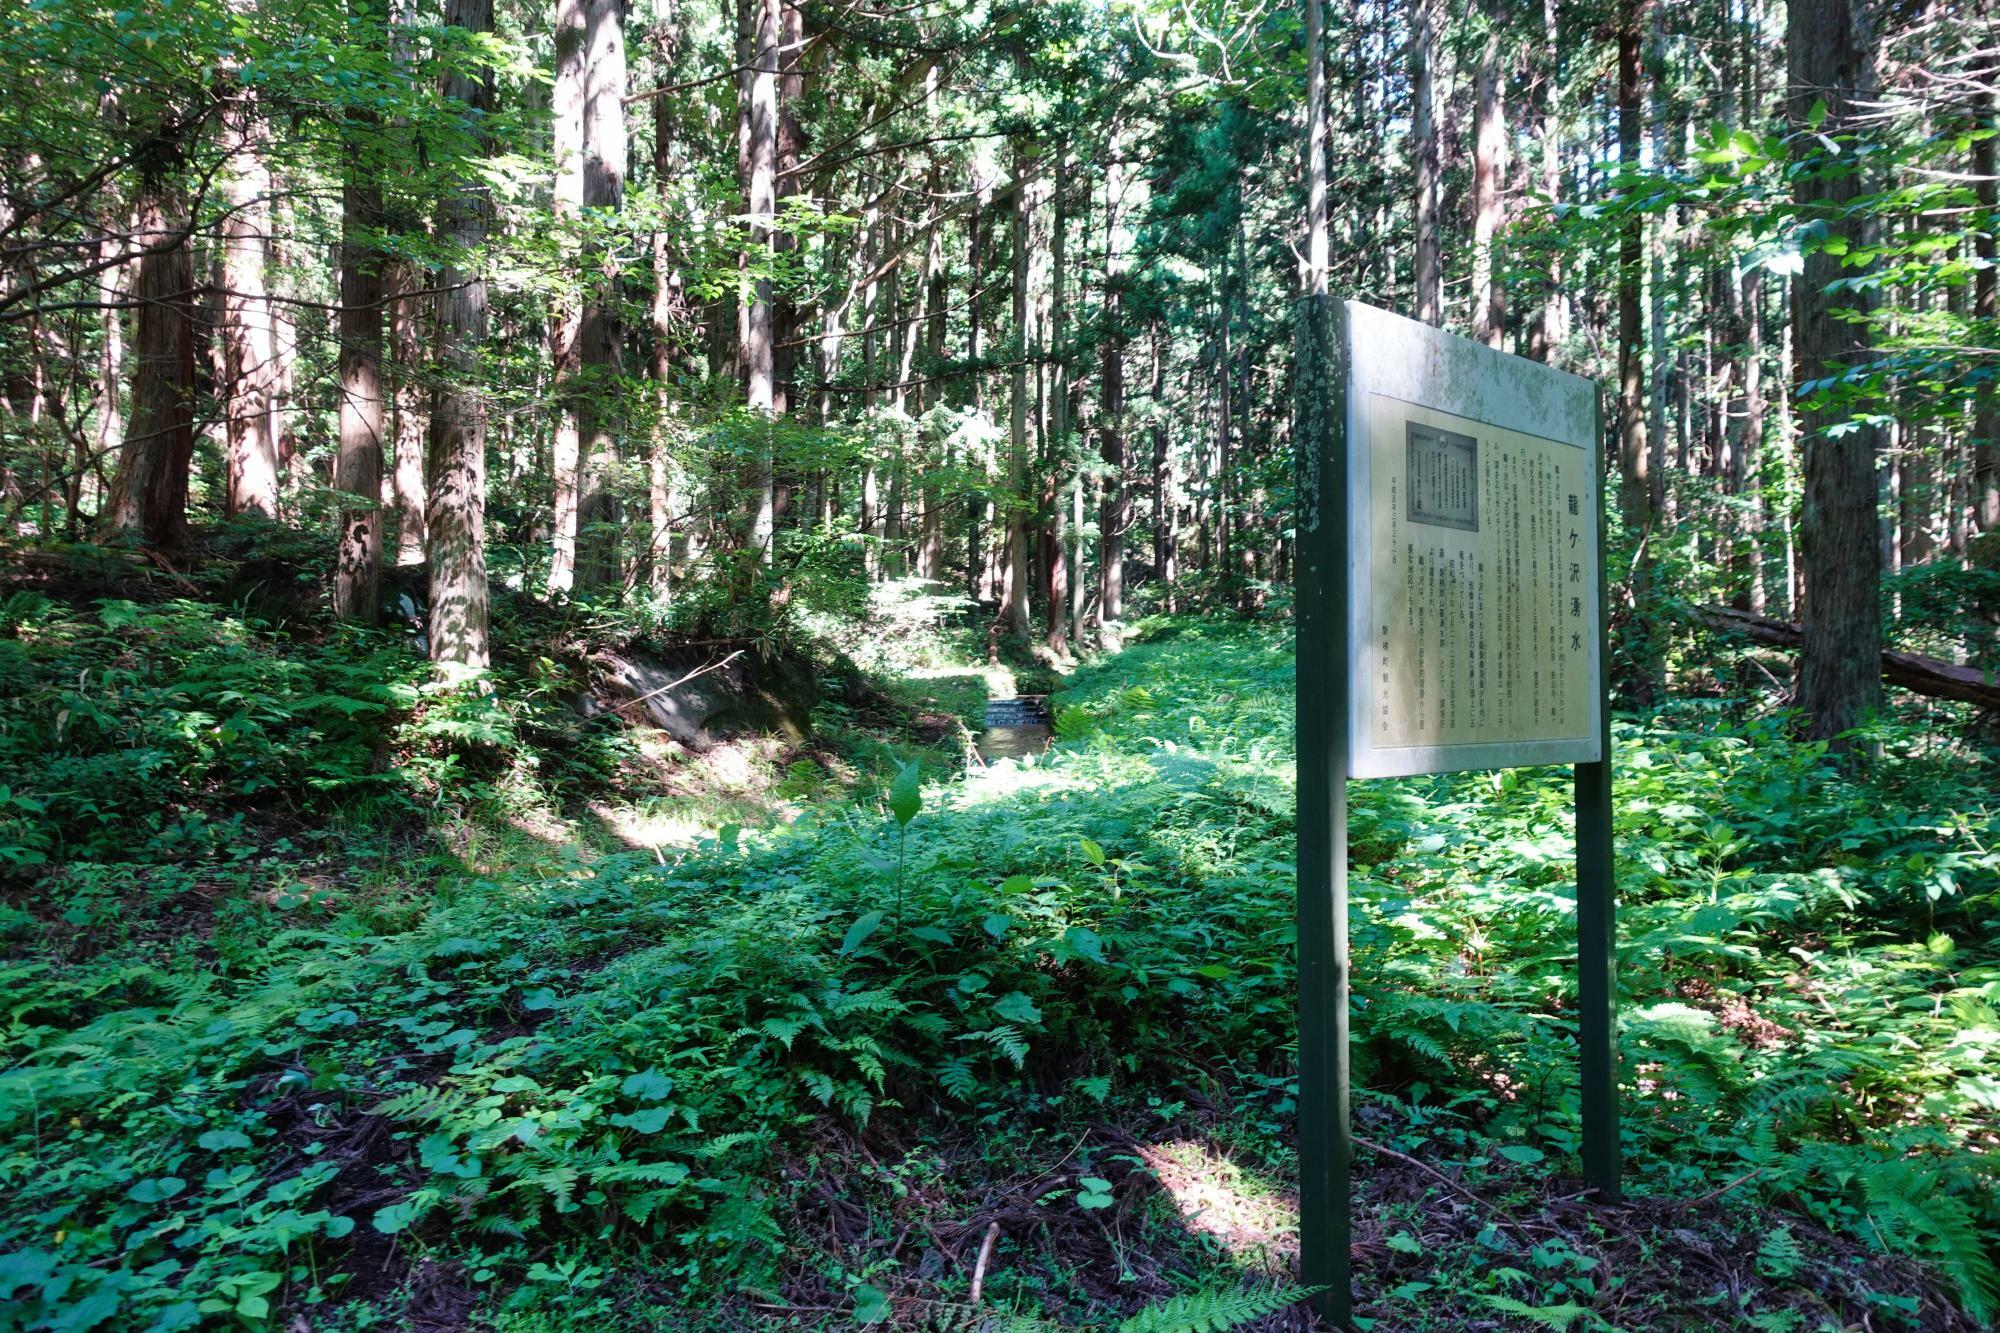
(641,828)
(999,679)
(1215,1197)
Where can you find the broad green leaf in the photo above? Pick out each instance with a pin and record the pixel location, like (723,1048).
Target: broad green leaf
(396,1217)
(648,1085)
(857,934)
(1086,942)
(156,1190)
(649,1121)
(1016,1007)
(906,795)
(871,1304)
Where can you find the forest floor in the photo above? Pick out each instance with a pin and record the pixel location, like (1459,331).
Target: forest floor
(409,1016)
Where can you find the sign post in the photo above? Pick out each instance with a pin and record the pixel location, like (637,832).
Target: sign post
(1450,615)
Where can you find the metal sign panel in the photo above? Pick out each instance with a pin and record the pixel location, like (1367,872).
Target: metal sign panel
(1473,498)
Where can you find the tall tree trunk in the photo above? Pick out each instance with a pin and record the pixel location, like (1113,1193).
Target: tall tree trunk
(1055,573)
(669,318)
(1429,272)
(1635,492)
(149,491)
(604,149)
(109,395)
(407,397)
(566,319)
(456,510)
(791,142)
(1489,170)
(759,364)
(979,505)
(1014,608)
(1840,680)
(408,335)
(1752,448)
(930,545)
(1319,244)
(1554,325)
(357,467)
(1986,309)
(1115,514)
(1222,473)
(248,338)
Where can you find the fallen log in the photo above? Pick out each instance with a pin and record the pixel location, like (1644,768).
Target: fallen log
(1910,671)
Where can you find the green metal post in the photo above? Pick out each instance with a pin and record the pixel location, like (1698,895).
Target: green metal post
(1597,920)
(1326,1148)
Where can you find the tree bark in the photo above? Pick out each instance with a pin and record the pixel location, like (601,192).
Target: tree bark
(1165,506)
(110,390)
(566,319)
(1013,617)
(791,143)
(1319,245)
(1751,447)
(759,364)
(1635,490)
(357,468)
(406,343)
(149,491)
(248,336)
(598,515)
(1554,325)
(1115,513)
(1429,273)
(1056,453)
(456,510)
(669,315)
(1986,309)
(1840,682)
(1489,169)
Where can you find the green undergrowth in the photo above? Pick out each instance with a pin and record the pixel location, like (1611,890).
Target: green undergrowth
(246,1083)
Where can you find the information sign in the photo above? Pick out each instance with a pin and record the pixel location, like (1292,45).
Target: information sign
(1449,613)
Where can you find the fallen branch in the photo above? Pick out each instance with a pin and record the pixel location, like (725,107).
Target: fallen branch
(985,1257)
(650,695)
(1721,1190)
(1911,671)
(1494,1211)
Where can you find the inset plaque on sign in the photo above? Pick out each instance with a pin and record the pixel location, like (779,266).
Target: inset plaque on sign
(1473,502)
(1444,477)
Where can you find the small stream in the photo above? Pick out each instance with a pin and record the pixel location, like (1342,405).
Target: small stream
(1015,727)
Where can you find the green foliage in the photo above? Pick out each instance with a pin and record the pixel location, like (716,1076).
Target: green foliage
(141,732)
(543,1065)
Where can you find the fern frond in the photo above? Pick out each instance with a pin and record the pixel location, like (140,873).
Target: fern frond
(1912,1203)
(1213,1311)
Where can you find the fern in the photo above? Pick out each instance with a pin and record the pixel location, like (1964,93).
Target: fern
(818,1084)
(1557,1317)
(955,1076)
(645,1173)
(724,1144)
(1912,1203)
(1213,1311)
